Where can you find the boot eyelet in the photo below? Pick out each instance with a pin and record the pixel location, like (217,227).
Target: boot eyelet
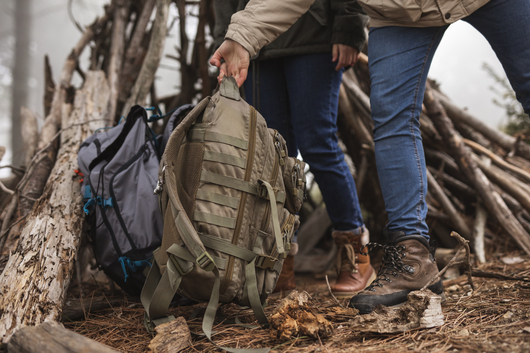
(411,270)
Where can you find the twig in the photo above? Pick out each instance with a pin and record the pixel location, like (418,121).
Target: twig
(462,243)
(488,274)
(442,271)
(17,169)
(465,244)
(330,292)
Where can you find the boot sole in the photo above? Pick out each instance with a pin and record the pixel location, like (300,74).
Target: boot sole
(344,295)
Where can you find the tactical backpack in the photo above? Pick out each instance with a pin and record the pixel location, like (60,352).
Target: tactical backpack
(120,169)
(229,195)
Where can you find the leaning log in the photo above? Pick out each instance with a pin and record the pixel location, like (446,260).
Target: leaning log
(52,337)
(146,75)
(34,282)
(474,174)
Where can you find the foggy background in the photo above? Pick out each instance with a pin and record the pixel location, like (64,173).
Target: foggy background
(457,65)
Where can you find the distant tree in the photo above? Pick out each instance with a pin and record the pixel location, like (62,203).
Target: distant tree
(20,74)
(518,121)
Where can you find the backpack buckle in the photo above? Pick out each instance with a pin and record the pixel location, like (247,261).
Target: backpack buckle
(205,262)
(265,262)
(179,268)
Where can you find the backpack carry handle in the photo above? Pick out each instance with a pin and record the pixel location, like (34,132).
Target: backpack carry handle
(229,88)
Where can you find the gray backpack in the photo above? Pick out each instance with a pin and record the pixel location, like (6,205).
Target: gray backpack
(120,168)
(229,195)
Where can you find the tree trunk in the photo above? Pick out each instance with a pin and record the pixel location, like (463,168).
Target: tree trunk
(20,75)
(34,282)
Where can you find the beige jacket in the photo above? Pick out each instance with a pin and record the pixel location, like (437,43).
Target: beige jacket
(418,13)
(264,20)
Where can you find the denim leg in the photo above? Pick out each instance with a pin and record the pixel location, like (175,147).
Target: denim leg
(313,88)
(267,79)
(400,58)
(506,26)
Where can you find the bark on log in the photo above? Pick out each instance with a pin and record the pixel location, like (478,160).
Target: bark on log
(506,182)
(491,198)
(49,86)
(34,282)
(152,60)
(448,207)
(507,142)
(76,309)
(52,337)
(481,218)
(171,337)
(347,112)
(498,160)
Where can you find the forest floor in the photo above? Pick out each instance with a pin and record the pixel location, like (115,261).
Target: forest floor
(493,318)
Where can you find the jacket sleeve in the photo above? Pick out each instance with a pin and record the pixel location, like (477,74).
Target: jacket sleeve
(349,23)
(223,10)
(262,21)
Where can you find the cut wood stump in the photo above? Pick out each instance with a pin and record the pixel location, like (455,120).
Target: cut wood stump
(171,337)
(52,337)
(422,310)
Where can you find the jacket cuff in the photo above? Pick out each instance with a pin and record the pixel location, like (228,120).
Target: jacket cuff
(350,30)
(243,36)
(356,41)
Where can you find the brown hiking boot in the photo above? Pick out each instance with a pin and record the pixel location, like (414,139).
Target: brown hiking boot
(407,266)
(286,281)
(354,269)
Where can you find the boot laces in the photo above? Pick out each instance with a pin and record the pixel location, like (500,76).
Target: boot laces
(392,263)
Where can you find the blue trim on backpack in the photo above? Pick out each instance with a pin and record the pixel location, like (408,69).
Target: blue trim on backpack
(98,201)
(133,266)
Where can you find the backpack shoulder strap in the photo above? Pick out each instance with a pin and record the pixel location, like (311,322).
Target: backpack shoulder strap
(167,173)
(136,112)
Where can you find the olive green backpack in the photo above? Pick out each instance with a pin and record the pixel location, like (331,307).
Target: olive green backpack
(229,195)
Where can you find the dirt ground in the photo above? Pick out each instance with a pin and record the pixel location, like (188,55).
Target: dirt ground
(493,318)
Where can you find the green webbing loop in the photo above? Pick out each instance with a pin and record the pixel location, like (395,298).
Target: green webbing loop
(209,317)
(224,158)
(178,252)
(201,135)
(214,219)
(229,182)
(222,245)
(219,199)
(274,215)
(251,285)
(157,295)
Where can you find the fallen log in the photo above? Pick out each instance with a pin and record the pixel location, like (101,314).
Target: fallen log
(52,337)
(34,283)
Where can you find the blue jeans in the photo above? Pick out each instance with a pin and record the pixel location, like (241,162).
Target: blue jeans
(400,58)
(298,96)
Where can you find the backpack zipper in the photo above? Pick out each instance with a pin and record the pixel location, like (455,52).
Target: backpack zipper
(248,173)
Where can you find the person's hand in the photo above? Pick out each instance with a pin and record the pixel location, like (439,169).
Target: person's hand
(232,60)
(346,55)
